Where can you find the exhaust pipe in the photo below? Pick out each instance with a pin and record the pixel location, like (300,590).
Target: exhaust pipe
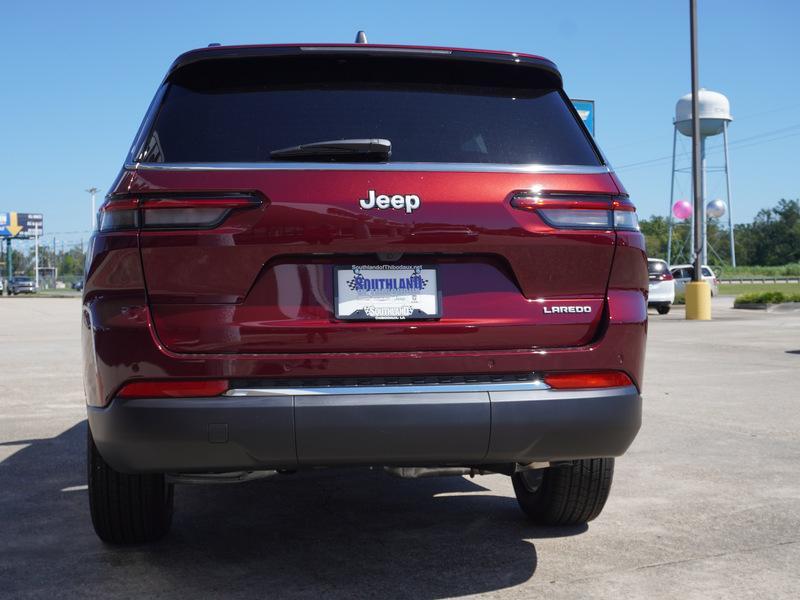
(501,469)
(218,478)
(417,472)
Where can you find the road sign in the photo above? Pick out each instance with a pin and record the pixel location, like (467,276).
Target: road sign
(585,110)
(13,224)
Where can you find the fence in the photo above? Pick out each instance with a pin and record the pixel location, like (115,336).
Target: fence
(760,279)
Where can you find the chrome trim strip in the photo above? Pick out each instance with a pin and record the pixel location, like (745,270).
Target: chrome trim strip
(399,166)
(513,386)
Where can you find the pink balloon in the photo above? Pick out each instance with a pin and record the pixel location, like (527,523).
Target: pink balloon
(682,210)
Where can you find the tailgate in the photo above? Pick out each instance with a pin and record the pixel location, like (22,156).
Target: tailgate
(264,280)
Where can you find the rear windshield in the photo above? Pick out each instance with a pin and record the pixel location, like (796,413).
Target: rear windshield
(657,267)
(443,114)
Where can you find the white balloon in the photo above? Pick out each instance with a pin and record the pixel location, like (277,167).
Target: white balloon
(716,208)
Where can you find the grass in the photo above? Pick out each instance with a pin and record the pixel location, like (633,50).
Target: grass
(735,289)
(58,293)
(766,298)
(739,289)
(790,270)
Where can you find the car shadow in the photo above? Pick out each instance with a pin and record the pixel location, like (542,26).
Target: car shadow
(338,533)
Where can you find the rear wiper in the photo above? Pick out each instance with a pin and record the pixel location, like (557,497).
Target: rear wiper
(354,149)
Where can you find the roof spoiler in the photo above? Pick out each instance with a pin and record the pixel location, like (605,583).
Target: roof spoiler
(377,50)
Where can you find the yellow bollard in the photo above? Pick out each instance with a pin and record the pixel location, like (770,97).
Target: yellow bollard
(698,301)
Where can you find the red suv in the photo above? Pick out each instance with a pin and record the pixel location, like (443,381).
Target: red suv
(329,255)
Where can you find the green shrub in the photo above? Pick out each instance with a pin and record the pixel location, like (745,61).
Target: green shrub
(766,298)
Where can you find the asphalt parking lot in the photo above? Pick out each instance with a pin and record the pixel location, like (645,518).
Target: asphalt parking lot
(706,504)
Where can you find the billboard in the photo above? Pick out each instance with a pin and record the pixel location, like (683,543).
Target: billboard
(14,224)
(585,110)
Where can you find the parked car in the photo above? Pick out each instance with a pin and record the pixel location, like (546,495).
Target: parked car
(21,285)
(78,285)
(662,285)
(330,255)
(683,274)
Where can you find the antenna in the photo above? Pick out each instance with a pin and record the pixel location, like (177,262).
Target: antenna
(361,38)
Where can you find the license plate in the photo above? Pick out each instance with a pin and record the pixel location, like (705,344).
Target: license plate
(386,292)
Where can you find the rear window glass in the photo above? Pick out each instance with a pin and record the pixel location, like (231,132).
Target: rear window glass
(430,114)
(706,272)
(657,267)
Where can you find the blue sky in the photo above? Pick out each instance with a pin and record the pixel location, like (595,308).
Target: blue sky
(77,77)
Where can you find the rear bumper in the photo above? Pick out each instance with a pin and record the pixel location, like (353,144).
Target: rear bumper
(473,426)
(662,293)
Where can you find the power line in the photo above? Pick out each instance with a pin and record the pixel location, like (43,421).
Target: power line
(738,118)
(737,144)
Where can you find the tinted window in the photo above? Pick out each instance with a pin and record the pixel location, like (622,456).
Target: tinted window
(680,273)
(656,268)
(706,272)
(452,115)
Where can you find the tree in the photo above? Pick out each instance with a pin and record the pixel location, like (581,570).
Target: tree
(69,263)
(773,238)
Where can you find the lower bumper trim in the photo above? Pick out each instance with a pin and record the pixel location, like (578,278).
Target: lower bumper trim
(409,429)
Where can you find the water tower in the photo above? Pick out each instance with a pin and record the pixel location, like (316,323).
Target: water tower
(715,115)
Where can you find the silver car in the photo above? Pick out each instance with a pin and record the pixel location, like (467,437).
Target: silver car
(683,274)
(21,285)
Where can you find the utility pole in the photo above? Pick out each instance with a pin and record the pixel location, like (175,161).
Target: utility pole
(93,191)
(698,292)
(36,252)
(9,265)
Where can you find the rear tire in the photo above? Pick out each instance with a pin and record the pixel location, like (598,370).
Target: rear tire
(663,309)
(565,495)
(127,509)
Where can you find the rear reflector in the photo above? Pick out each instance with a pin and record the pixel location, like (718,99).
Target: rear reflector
(595,379)
(174,389)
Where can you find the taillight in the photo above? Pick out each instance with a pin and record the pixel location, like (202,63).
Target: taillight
(577,218)
(587,380)
(171,212)
(666,277)
(118,215)
(579,211)
(168,388)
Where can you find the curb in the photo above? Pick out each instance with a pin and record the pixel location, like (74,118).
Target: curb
(781,307)
(752,306)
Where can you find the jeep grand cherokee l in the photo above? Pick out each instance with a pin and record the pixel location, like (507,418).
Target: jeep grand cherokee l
(351,255)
